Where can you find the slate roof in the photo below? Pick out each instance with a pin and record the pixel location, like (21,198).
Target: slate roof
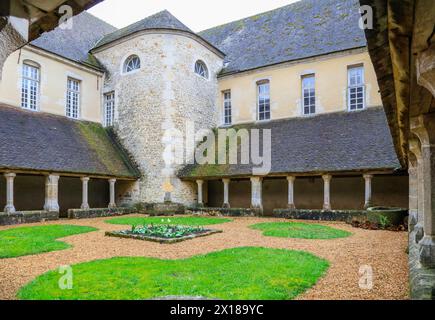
(43,142)
(334,142)
(76,43)
(161,20)
(303,29)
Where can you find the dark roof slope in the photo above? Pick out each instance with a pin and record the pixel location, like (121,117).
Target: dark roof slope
(43,142)
(334,142)
(75,43)
(161,20)
(300,30)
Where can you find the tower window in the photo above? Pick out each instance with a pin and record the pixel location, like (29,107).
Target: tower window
(201,69)
(132,63)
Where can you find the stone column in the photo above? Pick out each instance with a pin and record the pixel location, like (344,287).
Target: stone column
(291,183)
(416,218)
(9,208)
(85,204)
(424,127)
(226,183)
(200,183)
(256,193)
(326,191)
(52,193)
(112,203)
(368,190)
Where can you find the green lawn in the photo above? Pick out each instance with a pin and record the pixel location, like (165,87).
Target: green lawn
(238,273)
(32,240)
(185,221)
(299,230)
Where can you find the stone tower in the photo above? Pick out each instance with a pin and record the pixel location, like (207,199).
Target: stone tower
(161,95)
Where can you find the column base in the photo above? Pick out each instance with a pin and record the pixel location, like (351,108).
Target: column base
(427,252)
(327,207)
(112,206)
(291,206)
(419,232)
(226,206)
(200,205)
(412,220)
(9,209)
(368,205)
(84,207)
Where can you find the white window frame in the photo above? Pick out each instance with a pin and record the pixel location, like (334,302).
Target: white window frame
(308,92)
(359,86)
(134,67)
(227,106)
(201,69)
(30,86)
(72,105)
(262,99)
(109,103)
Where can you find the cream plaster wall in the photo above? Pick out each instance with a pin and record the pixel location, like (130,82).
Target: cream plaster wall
(285,86)
(54,72)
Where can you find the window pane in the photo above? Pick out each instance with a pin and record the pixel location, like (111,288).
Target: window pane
(308,94)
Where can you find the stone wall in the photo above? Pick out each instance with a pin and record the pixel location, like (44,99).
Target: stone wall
(97,213)
(163,94)
(27,217)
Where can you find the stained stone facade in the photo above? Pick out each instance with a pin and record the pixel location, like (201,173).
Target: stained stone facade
(163,94)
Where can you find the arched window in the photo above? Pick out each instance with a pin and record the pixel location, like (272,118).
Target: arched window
(132,63)
(201,69)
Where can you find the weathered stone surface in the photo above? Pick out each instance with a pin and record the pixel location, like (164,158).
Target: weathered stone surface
(321,215)
(97,213)
(165,209)
(27,217)
(162,95)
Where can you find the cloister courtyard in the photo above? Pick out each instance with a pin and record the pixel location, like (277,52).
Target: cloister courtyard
(275,259)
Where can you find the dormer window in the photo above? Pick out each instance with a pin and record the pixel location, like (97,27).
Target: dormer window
(201,69)
(132,63)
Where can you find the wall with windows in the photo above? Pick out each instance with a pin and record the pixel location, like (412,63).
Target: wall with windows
(51,85)
(286,80)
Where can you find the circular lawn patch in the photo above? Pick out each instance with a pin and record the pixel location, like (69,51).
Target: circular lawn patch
(237,273)
(299,230)
(185,221)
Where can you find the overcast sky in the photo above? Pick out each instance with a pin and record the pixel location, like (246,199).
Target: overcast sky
(196,14)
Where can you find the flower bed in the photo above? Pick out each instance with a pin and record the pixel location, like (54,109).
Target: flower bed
(163,233)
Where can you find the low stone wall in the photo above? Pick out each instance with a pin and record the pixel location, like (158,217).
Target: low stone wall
(97,213)
(321,215)
(27,217)
(231,212)
(421,280)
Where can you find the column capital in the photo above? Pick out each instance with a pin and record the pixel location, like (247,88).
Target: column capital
(326,177)
(85,179)
(113,180)
(291,178)
(256,179)
(226,180)
(198,182)
(423,126)
(415,147)
(368,176)
(10,175)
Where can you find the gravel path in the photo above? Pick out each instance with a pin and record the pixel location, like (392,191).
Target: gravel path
(384,251)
